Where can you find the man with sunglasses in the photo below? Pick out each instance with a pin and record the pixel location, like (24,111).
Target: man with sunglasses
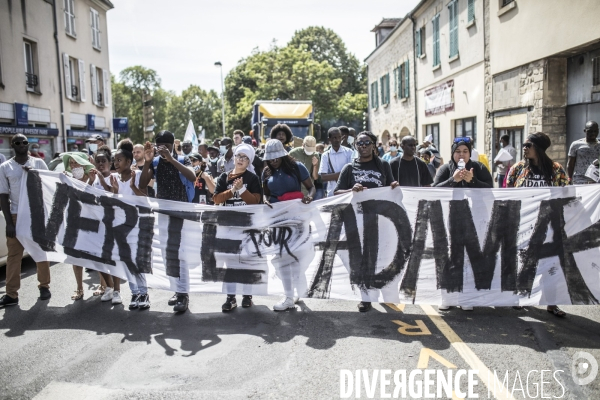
(409,170)
(11,175)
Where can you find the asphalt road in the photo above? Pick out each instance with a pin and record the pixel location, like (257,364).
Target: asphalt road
(60,349)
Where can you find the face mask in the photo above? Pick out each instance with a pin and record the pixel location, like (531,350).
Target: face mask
(34,150)
(223,150)
(93,147)
(501,144)
(213,160)
(350,139)
(197,168)
(78,172)
(393,148)
(309,153)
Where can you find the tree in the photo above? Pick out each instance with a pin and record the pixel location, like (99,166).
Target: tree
(202,107)
(325,45)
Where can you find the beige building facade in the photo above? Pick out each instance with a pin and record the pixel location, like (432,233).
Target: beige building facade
(392,95)
(56,92)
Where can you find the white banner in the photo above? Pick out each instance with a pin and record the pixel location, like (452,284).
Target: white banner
(479,247)
(439,99)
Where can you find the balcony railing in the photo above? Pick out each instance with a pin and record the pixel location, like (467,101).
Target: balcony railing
(74,91)
(31,80)
(99,98)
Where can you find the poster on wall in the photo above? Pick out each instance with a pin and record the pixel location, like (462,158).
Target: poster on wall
(439,99)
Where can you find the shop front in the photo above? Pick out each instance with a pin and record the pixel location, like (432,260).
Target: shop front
(78,138)
(45,137)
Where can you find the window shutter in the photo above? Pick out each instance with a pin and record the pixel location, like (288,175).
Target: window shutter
(453,24)
(94,86)
(81,80)
(376,95)
(67,17)
(387,88)
(418,42)
(93,21)
(106,94)
(471,10)
(97,15)
(67,70)
(406,79)
(72,16)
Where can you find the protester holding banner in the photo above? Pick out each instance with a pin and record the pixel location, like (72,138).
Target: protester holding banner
(283,179)
(409,170)
(81,169)
(100,176)
(462,171)
(238,188)
(174,181)
(11,175)
(365,172)
(538,170)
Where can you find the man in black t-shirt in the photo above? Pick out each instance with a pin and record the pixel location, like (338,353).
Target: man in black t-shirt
(410,170)
(169,187)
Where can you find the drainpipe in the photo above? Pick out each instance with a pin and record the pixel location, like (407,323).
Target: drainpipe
(60,86)
(415,80)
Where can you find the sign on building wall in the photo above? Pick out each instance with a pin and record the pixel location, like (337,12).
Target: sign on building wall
(439,99)
(21,114)
(120,125)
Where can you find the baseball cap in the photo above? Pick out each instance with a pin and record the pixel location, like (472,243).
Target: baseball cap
(310,143)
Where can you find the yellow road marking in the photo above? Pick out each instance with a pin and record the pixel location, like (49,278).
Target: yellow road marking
(420,328)
(396,307)
(426,354)
(499,391)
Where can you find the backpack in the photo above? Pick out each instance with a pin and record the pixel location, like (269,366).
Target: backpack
(189,186)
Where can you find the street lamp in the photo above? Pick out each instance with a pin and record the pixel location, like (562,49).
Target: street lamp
(218,64)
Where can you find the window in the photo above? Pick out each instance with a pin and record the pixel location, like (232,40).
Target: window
(466,127)
(420,41)
(471,11)
(69,6)
(453,27)
(596,71)
(374,95)
(403,80)
(516,140)
(385,89)
(434,131)
(74,70)
(506,2)
(95,23)
(100,79)
(30,58)
(436,40)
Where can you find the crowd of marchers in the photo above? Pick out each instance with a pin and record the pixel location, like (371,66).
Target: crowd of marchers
(235,171)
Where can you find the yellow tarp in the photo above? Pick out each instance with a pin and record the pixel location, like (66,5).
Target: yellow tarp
(285,110)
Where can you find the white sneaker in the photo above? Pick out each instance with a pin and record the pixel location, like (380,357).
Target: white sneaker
(467,308)
(108,294)
(284,304)
(296,299)
(116,297)
(443,308)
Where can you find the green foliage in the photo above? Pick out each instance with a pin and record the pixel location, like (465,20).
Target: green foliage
(315,66)
(202,107)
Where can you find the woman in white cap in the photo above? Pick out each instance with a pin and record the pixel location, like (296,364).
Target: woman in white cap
(238,188)
(282,179)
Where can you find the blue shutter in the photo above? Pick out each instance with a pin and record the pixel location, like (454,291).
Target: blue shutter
(471,10)
(453,26)
(406,79)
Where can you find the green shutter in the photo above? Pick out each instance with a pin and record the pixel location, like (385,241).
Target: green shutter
(376,95)
(471,10)
(418,42)
(387,88)
(453,27)
(406,79)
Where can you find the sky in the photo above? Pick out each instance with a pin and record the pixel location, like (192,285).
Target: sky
(182,39)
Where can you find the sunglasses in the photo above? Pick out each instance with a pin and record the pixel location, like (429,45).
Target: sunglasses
(364,143)
(20,142)
(242,157)
(527,145)
(465,139)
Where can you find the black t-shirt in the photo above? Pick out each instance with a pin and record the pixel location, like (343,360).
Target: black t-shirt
(535,178)
(168,182)
(365,173)
(212,168)
(411,173)
(201,192)
(251,183)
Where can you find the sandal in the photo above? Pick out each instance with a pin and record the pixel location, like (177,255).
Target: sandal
(78,295)
(99,291)
(557,312)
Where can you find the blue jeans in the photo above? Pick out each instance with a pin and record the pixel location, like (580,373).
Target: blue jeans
(137,285)
(320,194)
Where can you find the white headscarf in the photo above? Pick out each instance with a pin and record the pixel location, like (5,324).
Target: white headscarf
(248,151)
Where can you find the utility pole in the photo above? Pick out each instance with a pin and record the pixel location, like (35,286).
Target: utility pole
(148,115)
(218,64)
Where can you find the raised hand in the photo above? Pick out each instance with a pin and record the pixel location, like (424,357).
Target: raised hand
(148,152)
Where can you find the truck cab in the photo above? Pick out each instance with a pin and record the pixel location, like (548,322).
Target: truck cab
(297,114)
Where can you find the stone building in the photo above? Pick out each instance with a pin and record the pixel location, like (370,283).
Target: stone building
(391,82)
(57,92)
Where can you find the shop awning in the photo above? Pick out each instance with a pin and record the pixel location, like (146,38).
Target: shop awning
(285,110)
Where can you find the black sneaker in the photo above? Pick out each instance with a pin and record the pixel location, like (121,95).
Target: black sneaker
(229,304)
(144,301)
(364,306)
(182,302)
(45,293)
(246,301)
(6,301)
(173,300)
(135,301)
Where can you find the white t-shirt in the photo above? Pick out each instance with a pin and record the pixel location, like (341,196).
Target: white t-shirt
(11,175)
(97,183)
(125,187)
